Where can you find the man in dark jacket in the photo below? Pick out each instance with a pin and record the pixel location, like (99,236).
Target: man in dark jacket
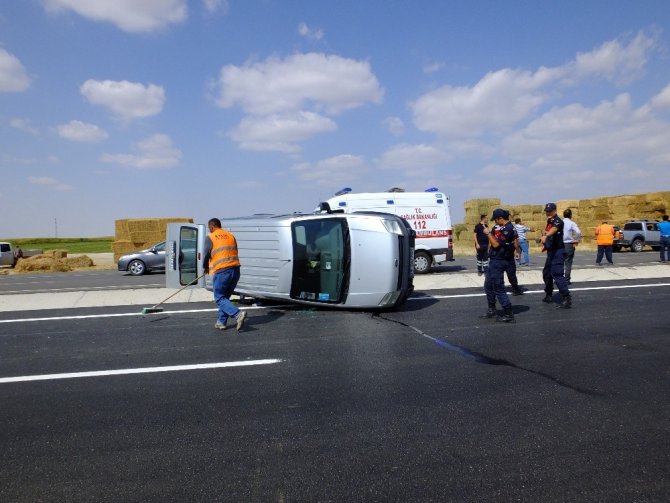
(504,249)
(554,265)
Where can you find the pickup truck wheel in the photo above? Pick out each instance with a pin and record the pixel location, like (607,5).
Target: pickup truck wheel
(422,262)
(616,248)
(137,268)
(636,245)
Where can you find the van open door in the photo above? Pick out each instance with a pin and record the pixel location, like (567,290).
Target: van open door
(184,248)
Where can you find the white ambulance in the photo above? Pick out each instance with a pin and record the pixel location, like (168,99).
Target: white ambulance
(427,212)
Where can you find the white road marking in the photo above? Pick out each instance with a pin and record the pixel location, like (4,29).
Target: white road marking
(581,289)
(145,370)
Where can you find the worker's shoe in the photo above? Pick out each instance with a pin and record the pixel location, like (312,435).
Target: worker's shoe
(240,320)
(508,316)
(566,302)
(491,313)
(220,326)
(517,291)
(548,298)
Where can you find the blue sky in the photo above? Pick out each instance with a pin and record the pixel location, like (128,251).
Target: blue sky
(114,109)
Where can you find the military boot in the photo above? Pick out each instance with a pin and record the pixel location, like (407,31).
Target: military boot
(548,298)
(491,313)
(508,317)
(566,302)
(516,290)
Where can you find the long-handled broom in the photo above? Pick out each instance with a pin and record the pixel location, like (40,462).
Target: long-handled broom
(156,309)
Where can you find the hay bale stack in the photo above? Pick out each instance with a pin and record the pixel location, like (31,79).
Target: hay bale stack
(45,262)
(588,213)
(140,233)
(476,207)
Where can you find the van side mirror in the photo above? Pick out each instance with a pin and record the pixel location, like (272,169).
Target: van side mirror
(324,208)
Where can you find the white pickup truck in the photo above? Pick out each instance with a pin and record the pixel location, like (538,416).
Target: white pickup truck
(7,256)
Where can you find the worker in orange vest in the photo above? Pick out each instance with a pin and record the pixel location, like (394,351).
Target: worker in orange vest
(605,240)
(221,260)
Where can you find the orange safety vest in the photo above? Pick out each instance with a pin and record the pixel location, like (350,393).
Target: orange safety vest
(224,251)
(604,235)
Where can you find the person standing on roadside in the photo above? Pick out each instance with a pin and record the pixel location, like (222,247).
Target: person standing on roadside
(482,244)
(605,240)
(571,236)
(664,230)
(504,249)
(522,231)
(221,260)
(554,265)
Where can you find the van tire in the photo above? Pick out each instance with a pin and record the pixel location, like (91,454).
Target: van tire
(422,262)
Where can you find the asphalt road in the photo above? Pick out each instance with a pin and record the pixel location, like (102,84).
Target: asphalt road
(429,403)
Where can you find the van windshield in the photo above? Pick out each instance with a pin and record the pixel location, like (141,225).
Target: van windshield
(320,260)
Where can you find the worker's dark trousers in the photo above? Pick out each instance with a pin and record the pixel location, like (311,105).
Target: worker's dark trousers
(494,282)
(554,272)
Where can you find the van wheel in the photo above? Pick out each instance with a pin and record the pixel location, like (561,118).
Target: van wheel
(422,262)
(636,245)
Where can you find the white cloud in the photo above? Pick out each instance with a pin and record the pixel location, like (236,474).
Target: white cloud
(80,131)
(614,60)
(312,80)
(497,101)
(394,125)
(505,97)
(498,171)
(49,182)
(332,171)
(13,77)
(155,152)
(128,15)
(433,67)
(280,132)
(216,5)
(576,137)
(126,100)
(23,124)
(288,100)
(310,33)
(662,99)
(415,158)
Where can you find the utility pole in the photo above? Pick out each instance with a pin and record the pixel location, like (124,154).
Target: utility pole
(56,226)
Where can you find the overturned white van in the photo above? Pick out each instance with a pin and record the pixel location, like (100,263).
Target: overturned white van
(427,212)
(362,260)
